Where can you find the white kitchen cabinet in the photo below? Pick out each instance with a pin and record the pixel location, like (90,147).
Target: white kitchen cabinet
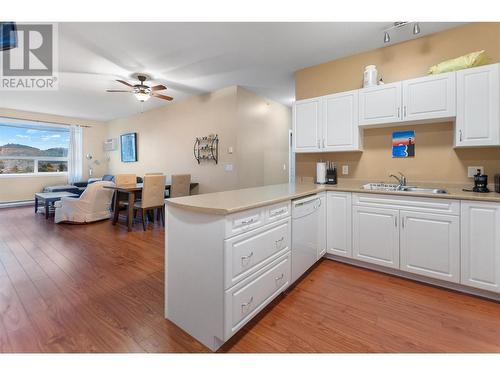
(380,104)
(376,235)
(430,245)
(480,230)
(429,98)
(340,130)
(478,106)
(307,125)
(322,225)
(339,226)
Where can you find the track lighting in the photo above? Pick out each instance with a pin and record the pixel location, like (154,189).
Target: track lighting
(399,25)
(416,28)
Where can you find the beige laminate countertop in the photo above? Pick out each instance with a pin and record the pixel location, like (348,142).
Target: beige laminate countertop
(227,202)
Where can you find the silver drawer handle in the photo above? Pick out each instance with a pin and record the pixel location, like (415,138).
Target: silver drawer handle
(279,212)
(246,304)
(278,242)
(279,277)
(247,221)
(246,258)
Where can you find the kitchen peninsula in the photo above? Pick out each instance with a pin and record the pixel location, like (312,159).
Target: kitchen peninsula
(229,254)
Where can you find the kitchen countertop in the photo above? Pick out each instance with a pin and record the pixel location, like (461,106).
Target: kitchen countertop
(227,202)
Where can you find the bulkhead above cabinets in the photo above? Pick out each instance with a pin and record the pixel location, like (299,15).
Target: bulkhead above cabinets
(470,97)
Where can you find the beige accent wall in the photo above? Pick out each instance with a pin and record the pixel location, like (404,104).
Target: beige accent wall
(435,158)
(24,188)
(251,125)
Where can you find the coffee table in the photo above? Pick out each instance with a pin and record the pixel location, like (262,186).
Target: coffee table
(49,198)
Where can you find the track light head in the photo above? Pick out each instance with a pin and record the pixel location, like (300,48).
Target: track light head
(387,37)
(416,28)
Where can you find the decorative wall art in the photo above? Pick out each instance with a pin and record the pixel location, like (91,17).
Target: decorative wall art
(128,143)
(403,144)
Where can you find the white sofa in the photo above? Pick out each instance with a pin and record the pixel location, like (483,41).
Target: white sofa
(94,204)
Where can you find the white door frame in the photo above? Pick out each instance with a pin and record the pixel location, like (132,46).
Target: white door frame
(291,158)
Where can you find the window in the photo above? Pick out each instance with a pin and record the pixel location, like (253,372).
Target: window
(32,148)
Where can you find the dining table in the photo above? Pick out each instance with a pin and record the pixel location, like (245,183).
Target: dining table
(132,190)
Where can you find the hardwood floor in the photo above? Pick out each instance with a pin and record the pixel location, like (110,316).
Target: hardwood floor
(97,288)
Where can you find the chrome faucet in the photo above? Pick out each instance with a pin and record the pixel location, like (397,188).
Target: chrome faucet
(401,180)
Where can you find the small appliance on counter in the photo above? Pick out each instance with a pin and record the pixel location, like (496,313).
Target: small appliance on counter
(321,172)
(331,174)
(497,183)
(480,183)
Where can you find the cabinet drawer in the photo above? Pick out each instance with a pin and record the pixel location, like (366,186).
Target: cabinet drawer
(244,221)
(277,211)
(421,204)
(246,253)
(243,302)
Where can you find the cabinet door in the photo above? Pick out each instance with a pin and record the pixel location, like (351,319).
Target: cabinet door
(339,225)
(478,106)
(340,122)
(376,235)
(481,245)
(322,225)
(429,97)
(306,125)
(380,104)
(430,245)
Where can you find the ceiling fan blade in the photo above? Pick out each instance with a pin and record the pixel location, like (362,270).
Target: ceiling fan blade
(118,91)
(125,83)
(158,88)
(159,96)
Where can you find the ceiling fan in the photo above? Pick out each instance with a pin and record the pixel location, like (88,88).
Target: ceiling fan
(143,92)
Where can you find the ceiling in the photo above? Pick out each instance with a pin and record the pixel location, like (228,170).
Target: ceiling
(191,59)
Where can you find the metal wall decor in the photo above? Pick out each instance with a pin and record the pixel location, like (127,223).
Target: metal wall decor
(206,148)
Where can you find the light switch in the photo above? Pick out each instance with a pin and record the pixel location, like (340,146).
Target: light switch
(228,167)
(345,169)
(230,150)
(471,171)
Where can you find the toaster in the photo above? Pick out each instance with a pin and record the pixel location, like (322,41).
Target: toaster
(497,183)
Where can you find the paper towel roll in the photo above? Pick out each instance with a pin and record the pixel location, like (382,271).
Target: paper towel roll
(321,172)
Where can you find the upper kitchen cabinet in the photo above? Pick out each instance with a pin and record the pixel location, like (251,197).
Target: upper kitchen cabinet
(380,104)
(307,125)
(429,98)
(478,106)
(340,122)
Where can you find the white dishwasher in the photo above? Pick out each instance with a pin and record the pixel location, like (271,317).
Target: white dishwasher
(305,242)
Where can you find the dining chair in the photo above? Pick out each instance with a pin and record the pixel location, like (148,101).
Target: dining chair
(121,180)
(181,185)
(152,197)
(125,179)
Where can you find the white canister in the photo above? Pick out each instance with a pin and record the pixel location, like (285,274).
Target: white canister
(370,76)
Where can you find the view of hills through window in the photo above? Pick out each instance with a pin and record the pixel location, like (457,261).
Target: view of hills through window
(32,148)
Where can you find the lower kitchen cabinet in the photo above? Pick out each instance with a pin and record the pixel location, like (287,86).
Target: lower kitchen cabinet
(376,235)
(480,229)
(322,225)
(430,245)
(338,224)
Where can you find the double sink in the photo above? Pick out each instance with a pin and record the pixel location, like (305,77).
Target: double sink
(398,187)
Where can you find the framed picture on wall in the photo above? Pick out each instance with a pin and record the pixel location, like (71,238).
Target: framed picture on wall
(128,147)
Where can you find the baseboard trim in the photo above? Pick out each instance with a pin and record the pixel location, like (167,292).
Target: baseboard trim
(422,279)
(17,204)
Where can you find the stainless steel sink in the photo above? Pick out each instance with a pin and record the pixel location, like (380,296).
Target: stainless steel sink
(408,189)
(412,189)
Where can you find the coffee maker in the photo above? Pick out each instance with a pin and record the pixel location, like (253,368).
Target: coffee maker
(480,183)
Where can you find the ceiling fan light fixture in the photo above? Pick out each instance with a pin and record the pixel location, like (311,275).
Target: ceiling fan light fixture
(142,96)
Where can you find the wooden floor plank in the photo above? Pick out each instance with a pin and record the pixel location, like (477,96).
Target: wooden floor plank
(99,288)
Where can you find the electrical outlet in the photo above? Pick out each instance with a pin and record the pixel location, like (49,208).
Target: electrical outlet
(345,169)
(228,167)
(471,171)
